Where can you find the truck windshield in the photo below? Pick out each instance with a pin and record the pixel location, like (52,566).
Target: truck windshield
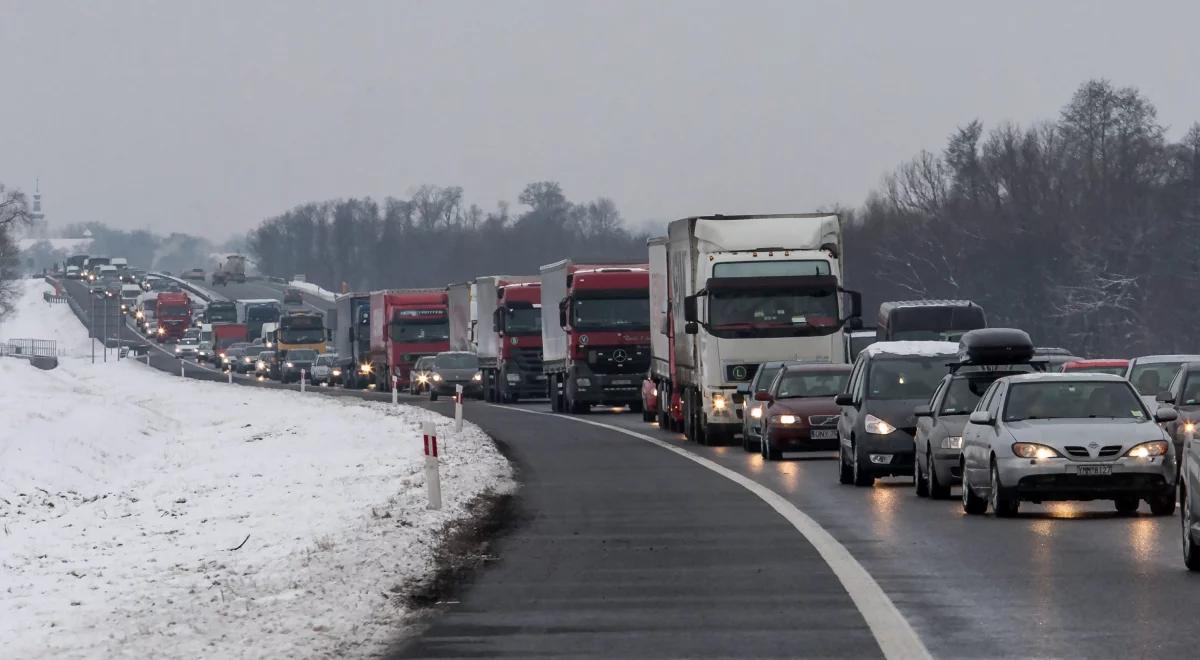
(222,313)
(1073,399)
(523,321)
(611,314)
(912,378)
(756,313)
(262,314)
(172,310)
(793,268)
(419,331)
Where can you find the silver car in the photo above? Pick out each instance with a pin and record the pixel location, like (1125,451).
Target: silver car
(1059,436)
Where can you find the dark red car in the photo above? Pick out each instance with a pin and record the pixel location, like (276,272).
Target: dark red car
(801,415)
(1114,367)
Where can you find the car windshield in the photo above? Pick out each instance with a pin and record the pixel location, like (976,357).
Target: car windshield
(807,384)
(326,360)
(188,341)
(1116,371)
(457,361)
(611,314)
(523,321)
(1072,399)
(906,378)
(302,355)
(749,310)
(964,392)
(1150,378)
(766,374)
(424,363)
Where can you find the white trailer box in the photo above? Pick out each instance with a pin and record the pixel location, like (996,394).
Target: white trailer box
(459,313)
(660,343)
(554,290)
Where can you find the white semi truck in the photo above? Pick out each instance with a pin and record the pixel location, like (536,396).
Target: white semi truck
(742,290)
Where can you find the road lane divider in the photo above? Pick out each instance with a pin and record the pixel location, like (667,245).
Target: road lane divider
(896,638)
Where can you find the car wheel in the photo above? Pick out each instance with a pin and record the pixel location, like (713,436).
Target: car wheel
(972,504)
(1003,504)
(769,453)
(1191,551)
(920,479)
(862,476)
(1163,505)
(845,473)
(748,446)
(1126,505)
(433,395)
(937,490)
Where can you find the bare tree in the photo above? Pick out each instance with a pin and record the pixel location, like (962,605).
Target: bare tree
(14,212)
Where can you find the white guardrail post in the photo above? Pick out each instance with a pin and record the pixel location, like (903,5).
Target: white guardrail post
(302,380)
(230,372)
(182,366)
(395,390)
(433,480)
(458,401)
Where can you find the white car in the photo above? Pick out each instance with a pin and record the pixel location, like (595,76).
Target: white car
(1058,436)
(187,348)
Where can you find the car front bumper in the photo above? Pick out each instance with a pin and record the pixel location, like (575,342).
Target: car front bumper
(799,438)
(886,455)
(1058,479)
(446,387)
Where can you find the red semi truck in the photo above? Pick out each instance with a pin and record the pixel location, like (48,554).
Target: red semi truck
(595,334)
(173,313)
(406,324)
(499,318)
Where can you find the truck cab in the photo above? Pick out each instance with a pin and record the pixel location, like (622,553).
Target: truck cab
(406,324)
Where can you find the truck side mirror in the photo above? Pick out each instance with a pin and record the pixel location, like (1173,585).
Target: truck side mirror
(690,312)
(855,314)
(691,327)
(328,334)
(351,329)
(498,320)
(562,313)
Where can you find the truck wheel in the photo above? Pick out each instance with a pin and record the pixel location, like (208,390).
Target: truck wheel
(664,408)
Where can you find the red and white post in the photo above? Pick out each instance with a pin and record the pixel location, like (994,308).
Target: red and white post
(396,390)
(302,381)
(458,401)
(433,479)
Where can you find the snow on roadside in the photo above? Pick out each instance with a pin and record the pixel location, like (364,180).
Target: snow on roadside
(124,490)
(313,290)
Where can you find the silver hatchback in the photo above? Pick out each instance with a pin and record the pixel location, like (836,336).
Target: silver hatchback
(1056,436)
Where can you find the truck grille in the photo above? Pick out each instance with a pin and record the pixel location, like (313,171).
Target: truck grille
(619,359)
(527,359)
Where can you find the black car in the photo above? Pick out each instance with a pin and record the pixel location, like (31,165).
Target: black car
(1183,394)
(876,425)
(453,368)
(751,411)
(297,360)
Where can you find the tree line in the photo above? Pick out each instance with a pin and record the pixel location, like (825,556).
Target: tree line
(433,237)
(1080,230)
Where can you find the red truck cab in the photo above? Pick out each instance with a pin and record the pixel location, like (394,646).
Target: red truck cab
(518,324)
(405,326)
(224,336)
(173,313)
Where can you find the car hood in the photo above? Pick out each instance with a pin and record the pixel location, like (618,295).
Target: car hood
(898,413)
(1059,433)
(805,407)
(456,374)
(297,364)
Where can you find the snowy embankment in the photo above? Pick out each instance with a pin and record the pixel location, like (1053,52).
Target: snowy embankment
(313,290)
(144,515)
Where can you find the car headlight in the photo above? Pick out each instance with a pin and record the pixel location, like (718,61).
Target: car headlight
(246,360)
(289,365)
(178,350)
(364,368)
(783,419)
(583,382)
(1148,449)
(477,377)
(952,442)
(225,359)
(756,412)
(1034,450)
(422,378)
(877,426)
(718,401)
(261,365)
(162,331)
(140,316)
(437,377)
(336,372)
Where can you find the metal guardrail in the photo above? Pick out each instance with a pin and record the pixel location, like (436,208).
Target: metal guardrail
(28,348)
(51,298)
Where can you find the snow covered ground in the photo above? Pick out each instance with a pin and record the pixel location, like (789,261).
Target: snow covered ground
(124,491)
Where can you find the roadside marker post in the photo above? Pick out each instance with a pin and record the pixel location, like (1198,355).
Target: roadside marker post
(458,401)
(395,390)
(433,479)
(230,372)
(302,381)
(182,366)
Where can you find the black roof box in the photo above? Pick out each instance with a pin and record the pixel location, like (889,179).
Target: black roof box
(995,346)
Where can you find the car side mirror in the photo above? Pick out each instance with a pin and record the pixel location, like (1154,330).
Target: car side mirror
(1164,415)
(844,399)
(691,327)
(1165,397)
(923,410)
(982,417)
(691,312)
(763,396)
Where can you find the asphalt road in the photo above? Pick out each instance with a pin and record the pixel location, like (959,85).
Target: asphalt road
(625,549)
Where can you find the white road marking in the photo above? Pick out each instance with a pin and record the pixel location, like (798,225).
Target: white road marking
(896,638)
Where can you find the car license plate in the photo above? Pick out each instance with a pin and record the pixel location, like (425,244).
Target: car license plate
(1095,470)
(823,434)
(622,382)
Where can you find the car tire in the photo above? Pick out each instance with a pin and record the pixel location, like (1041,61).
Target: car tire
(845,472)
(1163,505)
(748,446)
(937,490)
(769,453)
(1003,504)
(972,504)
(862,476)
(920,479)
(433,395)
(1191,550)
(1126,505)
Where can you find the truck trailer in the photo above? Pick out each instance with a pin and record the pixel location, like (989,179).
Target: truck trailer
(742,290)
(406,324)
(595,334)
(350,321)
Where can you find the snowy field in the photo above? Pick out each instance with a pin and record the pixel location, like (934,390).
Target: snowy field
(124,491)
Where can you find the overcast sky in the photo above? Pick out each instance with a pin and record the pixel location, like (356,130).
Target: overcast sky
(208,117)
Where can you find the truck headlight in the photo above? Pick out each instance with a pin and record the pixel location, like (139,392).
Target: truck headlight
(1034,450)
(952,442)
(1148,449)
(783,419)
(422,378)
(477,377)
(877,426)
(364,368)
(246,360)
(336,372)
(718,402)
(289,365)
(162,331)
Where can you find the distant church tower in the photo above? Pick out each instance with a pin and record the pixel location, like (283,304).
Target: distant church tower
(37,226)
